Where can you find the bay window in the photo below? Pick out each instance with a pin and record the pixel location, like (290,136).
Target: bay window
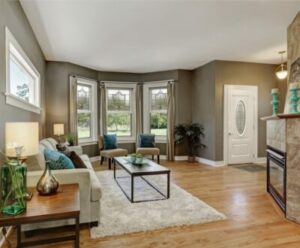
(120,110)
(86,111)
(155,110)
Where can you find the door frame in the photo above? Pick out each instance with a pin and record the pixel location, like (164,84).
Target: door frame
(227,87)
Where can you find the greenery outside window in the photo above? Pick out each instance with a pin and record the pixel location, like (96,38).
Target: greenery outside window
(22,78)
(120,110)
(86,111)
(155,110)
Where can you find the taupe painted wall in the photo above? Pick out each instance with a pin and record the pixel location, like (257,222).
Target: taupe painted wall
(239,73)
(12,16)
(203,106)
(57,92)
(208,99)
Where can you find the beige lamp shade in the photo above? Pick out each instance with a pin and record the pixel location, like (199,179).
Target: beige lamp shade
(21,134)
(58,129)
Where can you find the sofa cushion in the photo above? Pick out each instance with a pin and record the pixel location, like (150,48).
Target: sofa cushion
(146,140)
(76,160)
(148,150)
(114,153)
(57,160)
(110,141)
(48,143)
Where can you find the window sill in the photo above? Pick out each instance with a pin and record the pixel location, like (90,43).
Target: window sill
(16,102)
(161,141)
(123,141)
(87,143)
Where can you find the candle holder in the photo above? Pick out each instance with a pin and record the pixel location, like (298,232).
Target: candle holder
(275,102)
(294,100)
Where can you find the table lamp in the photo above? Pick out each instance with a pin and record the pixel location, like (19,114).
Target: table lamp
(21,139)
(58,130)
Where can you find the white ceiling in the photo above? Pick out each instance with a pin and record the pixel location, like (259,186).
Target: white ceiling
(155,35)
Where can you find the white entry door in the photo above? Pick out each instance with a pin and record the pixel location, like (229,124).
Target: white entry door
(240,124)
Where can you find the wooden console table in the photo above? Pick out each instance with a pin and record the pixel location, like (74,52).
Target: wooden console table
(63,205)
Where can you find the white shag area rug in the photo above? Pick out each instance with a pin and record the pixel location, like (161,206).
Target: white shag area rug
(120,216)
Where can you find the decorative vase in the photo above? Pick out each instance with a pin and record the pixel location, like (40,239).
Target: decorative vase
(294,100)
(275,101)
(13,187)
(47,184)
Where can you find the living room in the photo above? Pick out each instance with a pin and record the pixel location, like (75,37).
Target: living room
(149,123)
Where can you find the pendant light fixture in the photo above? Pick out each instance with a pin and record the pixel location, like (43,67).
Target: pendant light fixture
(281,71)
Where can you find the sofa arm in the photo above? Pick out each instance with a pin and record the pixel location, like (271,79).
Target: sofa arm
(96,187)
(77,149)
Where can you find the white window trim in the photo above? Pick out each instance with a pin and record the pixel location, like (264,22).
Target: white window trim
(146,108)
(10,98)
(94,111)
(125,85)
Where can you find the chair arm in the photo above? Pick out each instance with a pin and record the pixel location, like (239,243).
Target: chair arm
(77,149)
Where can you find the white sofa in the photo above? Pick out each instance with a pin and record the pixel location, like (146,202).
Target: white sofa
(90,187)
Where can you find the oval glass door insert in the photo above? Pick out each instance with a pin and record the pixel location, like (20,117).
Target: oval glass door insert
(240,117)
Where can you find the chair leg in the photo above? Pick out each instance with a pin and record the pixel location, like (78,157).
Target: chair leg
(109,163)
(102,160)
(152,157)
(158,159)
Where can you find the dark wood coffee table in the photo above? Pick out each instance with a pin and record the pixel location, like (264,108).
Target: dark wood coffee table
(149,168)
(63,205)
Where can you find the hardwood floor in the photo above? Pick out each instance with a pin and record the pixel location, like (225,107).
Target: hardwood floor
(253,219)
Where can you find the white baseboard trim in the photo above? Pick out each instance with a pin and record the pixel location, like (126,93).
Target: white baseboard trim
(210,162)
(261,160)
(181,158)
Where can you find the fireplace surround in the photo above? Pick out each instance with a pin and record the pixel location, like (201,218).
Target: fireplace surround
(276,176)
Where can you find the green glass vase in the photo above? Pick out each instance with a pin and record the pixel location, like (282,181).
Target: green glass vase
(13,187)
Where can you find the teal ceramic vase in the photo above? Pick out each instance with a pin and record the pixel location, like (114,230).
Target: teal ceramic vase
(294,100)
(275,103)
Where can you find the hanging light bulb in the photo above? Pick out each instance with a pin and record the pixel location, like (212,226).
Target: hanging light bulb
(281,71)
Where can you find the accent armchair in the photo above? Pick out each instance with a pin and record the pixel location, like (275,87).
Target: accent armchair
(109,154)
(146,146)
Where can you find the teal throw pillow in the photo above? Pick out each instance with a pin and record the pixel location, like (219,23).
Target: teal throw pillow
(57,160)
(110,141)
(147,140)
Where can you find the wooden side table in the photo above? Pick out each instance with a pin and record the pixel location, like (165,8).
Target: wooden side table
(63,205)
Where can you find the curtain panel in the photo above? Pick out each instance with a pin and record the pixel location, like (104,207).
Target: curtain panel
(171,121)
(102,120)
(139,112)
(73,108)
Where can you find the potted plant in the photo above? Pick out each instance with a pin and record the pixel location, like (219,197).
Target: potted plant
(70,138)
(192,134)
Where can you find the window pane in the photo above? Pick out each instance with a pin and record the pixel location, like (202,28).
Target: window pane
(158,124)
(21,81)
(119,124)
(158,98)
(84,127)
(83,97)
(118,99)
